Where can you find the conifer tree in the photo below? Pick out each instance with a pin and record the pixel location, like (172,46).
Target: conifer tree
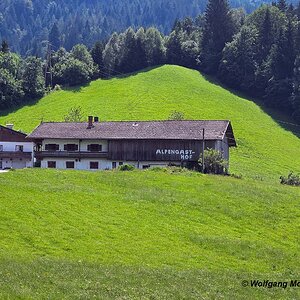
(4,47)
(54,37)
(265,36)
(217,31)
(97,53)
(282,5)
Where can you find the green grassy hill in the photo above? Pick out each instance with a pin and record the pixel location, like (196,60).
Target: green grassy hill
(153,234)
(265,148)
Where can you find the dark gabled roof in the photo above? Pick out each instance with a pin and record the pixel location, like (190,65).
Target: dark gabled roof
(10,135)
(154,130)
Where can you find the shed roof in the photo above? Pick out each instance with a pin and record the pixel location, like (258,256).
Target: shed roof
(141,130)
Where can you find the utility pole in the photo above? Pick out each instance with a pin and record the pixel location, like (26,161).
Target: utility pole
(203,148)
(48,69)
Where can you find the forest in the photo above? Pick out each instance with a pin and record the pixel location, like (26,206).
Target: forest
(27,24)
(258,54)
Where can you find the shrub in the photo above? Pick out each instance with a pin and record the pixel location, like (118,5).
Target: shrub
(176,116)
(237,176)
(214,163)
(57,87)
(126,167)
(291,179)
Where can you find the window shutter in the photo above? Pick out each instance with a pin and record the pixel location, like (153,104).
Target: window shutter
(76,147)
(57,147)
(89,147)
(47,147)
(65,147)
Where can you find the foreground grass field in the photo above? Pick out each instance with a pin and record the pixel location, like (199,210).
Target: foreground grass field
(265,149)
(145,234)
(153,234)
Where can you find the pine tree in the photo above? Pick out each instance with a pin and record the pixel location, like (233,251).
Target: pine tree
(218,30)
(140,56)
(54,37)
(295,99)
(128,61)
(282,5)
(174,48)
(4,47)
(265,36)
(97,55)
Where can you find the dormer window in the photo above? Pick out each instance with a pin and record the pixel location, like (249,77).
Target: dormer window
(94,148)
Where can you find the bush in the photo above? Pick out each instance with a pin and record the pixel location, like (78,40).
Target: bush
(291,179)
(176,116)
(214,163)
(126,168)
(57,87)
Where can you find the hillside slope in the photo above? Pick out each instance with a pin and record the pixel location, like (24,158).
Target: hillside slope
(265,149)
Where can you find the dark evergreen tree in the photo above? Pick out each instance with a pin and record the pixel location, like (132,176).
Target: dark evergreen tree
(128,61)
(54,37)
(282,5)
(4,47)
(265,36)
(140,55)
(295,99)
(174,48)
(97,53)
(218,30)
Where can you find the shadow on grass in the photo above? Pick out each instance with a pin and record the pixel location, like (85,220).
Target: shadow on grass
(13,109)
(115,75)
(282,119)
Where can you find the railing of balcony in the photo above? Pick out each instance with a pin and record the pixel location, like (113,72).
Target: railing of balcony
(71,154)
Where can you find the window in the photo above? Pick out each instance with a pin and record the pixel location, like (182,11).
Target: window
(19,148)
(51,147)
(52,164)
(121,163)
(94,148)
(94,165)
(1,148)
(114,165)
(70,165)
(71,147)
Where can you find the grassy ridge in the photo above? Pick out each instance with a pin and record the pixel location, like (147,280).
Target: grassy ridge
(266,149)
(204,232)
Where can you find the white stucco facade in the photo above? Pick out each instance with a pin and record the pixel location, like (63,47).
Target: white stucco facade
(84,159)
(17,155)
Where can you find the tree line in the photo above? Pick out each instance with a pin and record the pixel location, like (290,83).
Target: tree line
(257,54)
(27,24)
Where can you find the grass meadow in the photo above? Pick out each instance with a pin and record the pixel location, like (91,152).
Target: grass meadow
(145,235)
(154,234)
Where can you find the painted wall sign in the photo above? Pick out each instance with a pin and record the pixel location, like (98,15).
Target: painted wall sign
(184,154)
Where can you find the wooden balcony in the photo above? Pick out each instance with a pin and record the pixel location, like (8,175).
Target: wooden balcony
(15,154)
(69,154)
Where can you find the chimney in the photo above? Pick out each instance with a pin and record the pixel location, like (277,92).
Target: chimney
(96,119)
(90,124)
(10,126)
